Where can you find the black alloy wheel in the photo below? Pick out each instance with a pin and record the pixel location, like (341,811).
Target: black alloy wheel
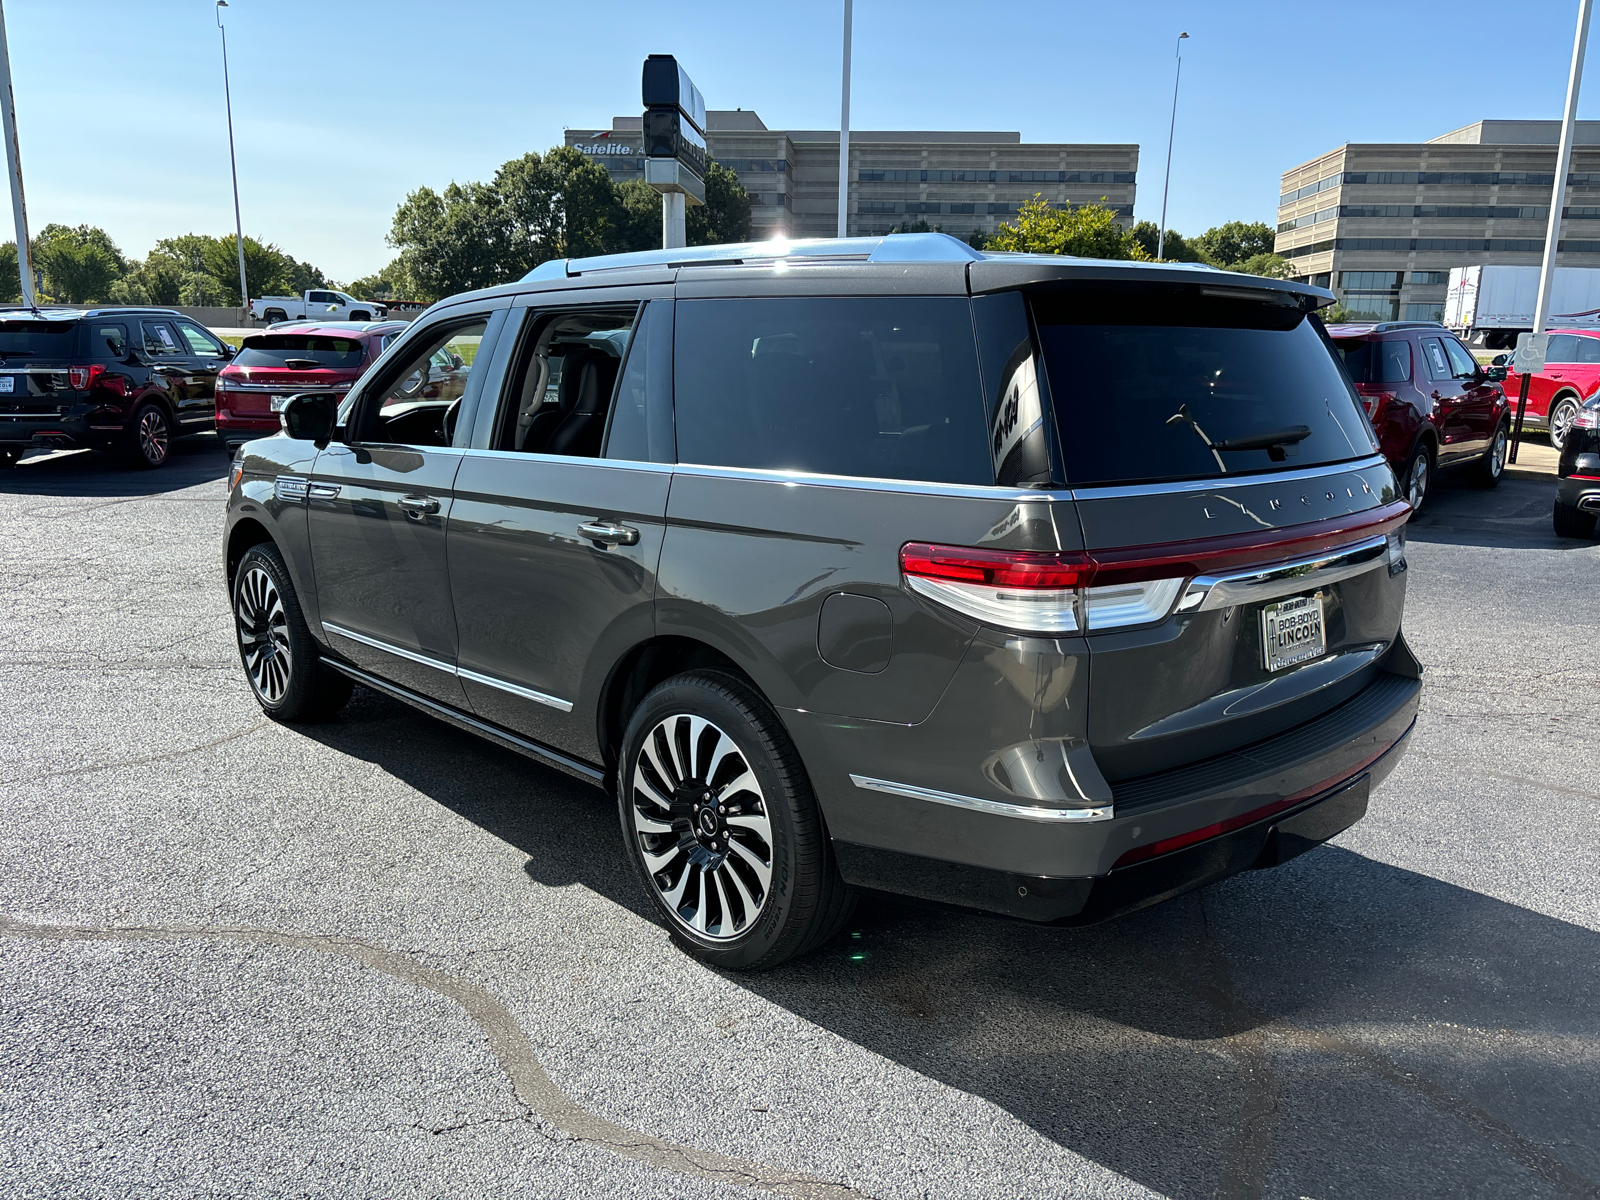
(722,827)
(1493,463)
(149,436)
(1561,414)
(1418,476)
(279,654)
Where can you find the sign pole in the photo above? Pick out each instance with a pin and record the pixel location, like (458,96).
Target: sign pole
(844,129)
(674,221)
(1558,199)
(1522,411)
(19,207)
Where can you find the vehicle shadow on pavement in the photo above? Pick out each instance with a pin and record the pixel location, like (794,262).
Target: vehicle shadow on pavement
(194,460)
(1337,1026)
(1514,516)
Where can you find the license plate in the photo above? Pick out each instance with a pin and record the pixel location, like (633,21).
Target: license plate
(279,403)
(1293,632)
(8,383)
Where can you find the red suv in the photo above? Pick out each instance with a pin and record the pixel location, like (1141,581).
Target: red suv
(311,356)
(1429,401)
(1571,372)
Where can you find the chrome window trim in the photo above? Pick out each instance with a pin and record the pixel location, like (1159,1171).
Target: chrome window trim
(976,491)
(625,464)
(1120,491)
(526,693)
(449,668)
(1027,812)
(1269,582)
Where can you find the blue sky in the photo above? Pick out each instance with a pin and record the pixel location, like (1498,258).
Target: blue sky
(341,108)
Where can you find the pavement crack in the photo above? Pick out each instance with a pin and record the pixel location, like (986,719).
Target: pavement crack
(1544,785)
(530,1083)
(165,756)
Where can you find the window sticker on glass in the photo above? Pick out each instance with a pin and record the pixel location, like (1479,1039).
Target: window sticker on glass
(166,337)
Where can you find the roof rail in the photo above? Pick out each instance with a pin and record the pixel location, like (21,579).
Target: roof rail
(899,248)
(1402,324)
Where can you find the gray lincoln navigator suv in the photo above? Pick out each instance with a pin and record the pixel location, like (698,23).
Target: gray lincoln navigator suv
(1041,586)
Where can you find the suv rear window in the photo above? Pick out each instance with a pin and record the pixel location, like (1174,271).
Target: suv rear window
(41,337)
(874,387)
(1153,383)
(1376,361)
(276,349)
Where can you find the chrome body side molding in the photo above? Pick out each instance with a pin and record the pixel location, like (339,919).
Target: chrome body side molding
(438,664)
(999,808)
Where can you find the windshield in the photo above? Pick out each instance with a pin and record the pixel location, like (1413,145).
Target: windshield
(276,349)
(1155,383)
(1375,362)
(40,337)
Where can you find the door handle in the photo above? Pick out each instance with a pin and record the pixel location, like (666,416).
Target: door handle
(417,507)
(609,533)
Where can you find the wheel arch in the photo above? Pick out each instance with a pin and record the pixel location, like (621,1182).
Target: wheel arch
(246,532)
(644,666)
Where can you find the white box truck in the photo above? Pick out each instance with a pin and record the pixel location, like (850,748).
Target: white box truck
(1498,301)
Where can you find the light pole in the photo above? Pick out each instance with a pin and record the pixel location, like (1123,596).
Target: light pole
(1161,235)
(19,210)
(844,130)
(238,225)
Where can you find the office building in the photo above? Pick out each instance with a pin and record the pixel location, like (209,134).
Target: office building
(1383,224)
(957,181)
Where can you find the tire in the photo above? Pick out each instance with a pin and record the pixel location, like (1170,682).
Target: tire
(274,314)
(1492,465)
(149,437)
(1572,522)
(360,316)
(1561,414)
(752,828)
(279,655)
(1419,476)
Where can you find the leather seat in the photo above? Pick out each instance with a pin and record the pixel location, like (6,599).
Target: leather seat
(588,376)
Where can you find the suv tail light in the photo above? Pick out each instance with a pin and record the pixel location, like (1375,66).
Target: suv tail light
(81,379)
(1373,398)
(1052,592)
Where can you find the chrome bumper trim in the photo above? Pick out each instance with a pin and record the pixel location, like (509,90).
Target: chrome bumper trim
(999,808)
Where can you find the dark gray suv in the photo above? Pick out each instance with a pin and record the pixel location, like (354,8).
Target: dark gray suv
(1040,586)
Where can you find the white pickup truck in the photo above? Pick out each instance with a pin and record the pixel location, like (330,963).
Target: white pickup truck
(316,304)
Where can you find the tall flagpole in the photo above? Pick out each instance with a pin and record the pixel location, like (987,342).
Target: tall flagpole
(19,207)
(238,224)
(844,131)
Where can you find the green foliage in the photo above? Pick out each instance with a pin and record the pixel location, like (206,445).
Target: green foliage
(10,275)
(80,263)
(725,216)
(1269,265)
(978,239)
(266,270)
(1334,314)
(1177,248)
(390,283)
(1088,232)
(556,205)
(1235,242)
(918,226)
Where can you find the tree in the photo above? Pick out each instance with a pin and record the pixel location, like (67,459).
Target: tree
(10,275)
(1271,266)
(1177,247)
(917,226)
(725,216)
(388,284)
(978,239)
(1235,242)
(1088,232)
(80,263)
(266,269)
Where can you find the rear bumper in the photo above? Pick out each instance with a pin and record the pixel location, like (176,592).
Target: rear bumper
(1578,492)
(1160,835)
(68,432)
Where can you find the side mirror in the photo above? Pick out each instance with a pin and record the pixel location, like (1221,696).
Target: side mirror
(1495,374)
(310,417)
(456,361)
(1500,360)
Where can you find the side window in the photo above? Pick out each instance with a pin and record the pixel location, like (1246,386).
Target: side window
(160,338)
(109,341)
(1433,354)
(201,343)
(628,434)
(1589,350)
(561,392)
(871,387)
(1563,348)
(416,401)
(322,298)
(1394,361)
(1463,365)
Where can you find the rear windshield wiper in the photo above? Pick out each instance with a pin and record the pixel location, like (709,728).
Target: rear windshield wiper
(1273,441)
(311,364)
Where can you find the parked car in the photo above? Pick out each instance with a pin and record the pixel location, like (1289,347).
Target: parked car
(1571,371)
(318,304)
(1034,585)
(274,365)
(1578,473)
(1429,401)
(129,379)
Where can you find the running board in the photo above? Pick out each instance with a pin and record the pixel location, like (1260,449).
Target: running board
(552,758)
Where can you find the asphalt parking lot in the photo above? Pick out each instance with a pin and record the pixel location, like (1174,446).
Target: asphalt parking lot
(382,958)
